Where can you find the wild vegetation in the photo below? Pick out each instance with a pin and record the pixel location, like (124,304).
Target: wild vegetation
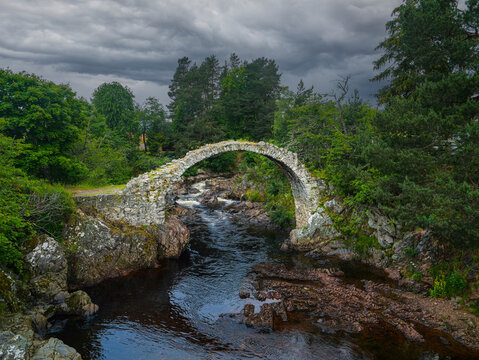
(416,157)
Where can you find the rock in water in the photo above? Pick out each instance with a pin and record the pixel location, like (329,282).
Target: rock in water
(78,303)
(174,238)
(100,249)
(55,349)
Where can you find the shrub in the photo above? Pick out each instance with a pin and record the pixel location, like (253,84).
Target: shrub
(282,217)
(449,281)
(27,207)
(439,289)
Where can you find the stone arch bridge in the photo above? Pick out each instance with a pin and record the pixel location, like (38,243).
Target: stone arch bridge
(144,199)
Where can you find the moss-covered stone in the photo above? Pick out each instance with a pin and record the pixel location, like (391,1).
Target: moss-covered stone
(99,248)
(8,299)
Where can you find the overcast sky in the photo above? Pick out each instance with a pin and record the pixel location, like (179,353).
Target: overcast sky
(138,42)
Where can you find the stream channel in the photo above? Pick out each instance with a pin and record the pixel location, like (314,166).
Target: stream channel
(175,311)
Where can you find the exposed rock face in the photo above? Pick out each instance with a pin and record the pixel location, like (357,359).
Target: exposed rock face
(18,341)
(321,236)
(10,293)
(14,346)
(174,238)
(384,229)
(319,229)
(47,264)
(143,201)
(100,249)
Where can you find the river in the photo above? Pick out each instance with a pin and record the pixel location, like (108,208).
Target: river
(176,310)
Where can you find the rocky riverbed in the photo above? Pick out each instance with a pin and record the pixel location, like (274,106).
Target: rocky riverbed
(331,303)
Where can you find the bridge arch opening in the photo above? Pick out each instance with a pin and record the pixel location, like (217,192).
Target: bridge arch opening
(269,178)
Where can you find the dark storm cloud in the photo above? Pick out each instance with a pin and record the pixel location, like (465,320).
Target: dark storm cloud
(138,42)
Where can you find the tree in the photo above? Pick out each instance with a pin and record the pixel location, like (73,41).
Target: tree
(427,137)
(46,116)
(27,206)
(427,40)
(248,98)
(285,114)
(153,125)
(115,102)
(194,92)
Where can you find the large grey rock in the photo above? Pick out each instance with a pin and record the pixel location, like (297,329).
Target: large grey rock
(9,292)
(14,346)
(78,303)
(18,341)
(100,249)
(319,229)
(174,238)
(48,266)
(55,349)
(384,229)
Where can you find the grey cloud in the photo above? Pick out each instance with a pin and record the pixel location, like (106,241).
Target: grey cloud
(140,41)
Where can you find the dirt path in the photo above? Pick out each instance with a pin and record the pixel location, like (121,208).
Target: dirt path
(98,191)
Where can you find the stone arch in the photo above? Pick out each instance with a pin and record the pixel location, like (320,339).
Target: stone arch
(144,197)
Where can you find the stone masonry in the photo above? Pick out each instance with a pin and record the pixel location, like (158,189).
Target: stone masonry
(144,199)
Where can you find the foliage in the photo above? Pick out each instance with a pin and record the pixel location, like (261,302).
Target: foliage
(220,163)
(248,99)
(416,159)
(194,92)
(439,289)
(115,102)
(211,103)
(351,225)
(112,165)
(269,184)
(154,130)
(450,278)
(427,40)
(452,285)
(27,206)
(46,116)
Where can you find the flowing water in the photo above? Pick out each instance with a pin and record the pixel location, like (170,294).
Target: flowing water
(175,311)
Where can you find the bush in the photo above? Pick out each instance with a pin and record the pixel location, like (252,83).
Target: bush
(449,286)
(49,208)
(450,279)
(144,163)
(27,207)
(107,166)
(282,216)
(269,184)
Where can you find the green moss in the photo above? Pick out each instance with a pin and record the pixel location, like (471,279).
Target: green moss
(8,300)
(354,232)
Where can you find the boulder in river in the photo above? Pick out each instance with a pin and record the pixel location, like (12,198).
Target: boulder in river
(18,341)
(99,249)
